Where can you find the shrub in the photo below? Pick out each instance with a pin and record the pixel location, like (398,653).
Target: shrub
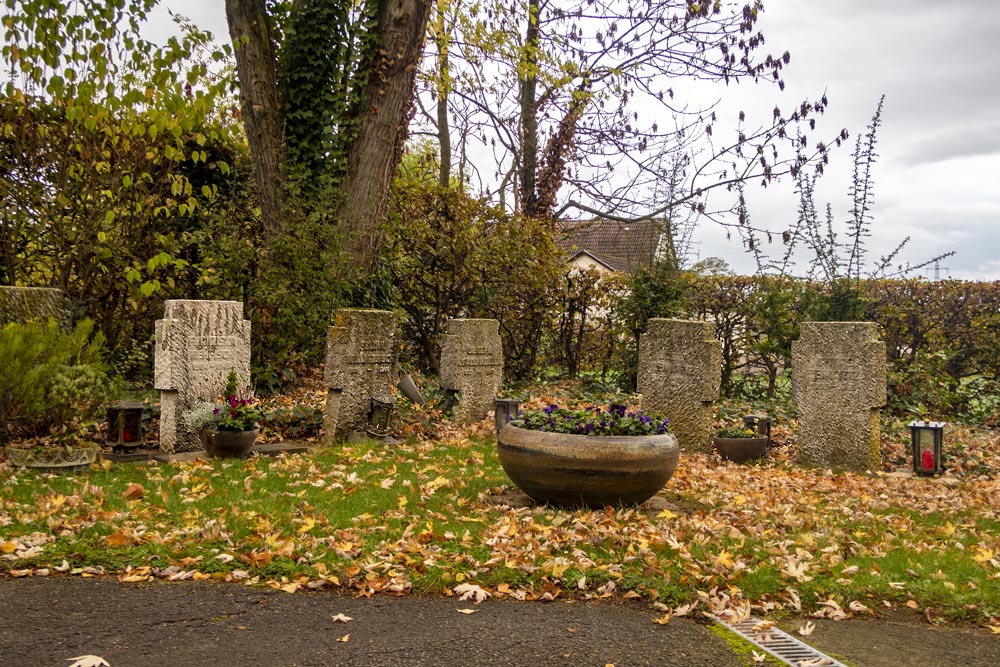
(50,378)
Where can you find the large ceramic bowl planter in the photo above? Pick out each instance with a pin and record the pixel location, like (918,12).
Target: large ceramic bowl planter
(574,470)
(741,450)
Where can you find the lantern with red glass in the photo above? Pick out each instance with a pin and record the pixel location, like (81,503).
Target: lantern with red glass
(125,424)
(925,444)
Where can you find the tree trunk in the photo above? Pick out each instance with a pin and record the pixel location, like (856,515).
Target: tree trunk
(529,112)
(250,31)
(386,105)
(443,89)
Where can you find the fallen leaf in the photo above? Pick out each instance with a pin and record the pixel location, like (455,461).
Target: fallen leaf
(307,524)
(663,620)
(995,629)
(8,547)
(807,629)
(468,611)
(343,640)
(912,604)
(759,657)
(341,618)
(133,492)
(471,592)
(89,661)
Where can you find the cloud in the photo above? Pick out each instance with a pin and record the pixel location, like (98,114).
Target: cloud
(955,143)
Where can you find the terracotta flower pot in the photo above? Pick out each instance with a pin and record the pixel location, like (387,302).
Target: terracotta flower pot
(741,450)
(231,444)
(575,470)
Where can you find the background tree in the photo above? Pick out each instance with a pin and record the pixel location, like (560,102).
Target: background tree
(335,112)
(116,159)
(577,102)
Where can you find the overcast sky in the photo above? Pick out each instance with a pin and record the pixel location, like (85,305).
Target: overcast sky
(937,179)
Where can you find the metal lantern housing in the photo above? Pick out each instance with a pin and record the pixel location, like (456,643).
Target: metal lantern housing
(925,445)
(380,416)
(504,409)
(125,424)
(761,425)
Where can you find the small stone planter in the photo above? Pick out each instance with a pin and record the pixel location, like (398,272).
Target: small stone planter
(587,470)
(741,450)
(230,444)
(54,459)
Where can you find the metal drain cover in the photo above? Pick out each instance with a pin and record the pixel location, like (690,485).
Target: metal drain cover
(780,644)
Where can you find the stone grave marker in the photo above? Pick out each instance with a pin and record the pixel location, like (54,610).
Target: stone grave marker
(360,364)
(680,372)
(21,304)
(838,384)
(197,343)
(472,366)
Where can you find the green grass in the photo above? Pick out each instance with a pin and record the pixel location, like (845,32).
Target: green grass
(415,518)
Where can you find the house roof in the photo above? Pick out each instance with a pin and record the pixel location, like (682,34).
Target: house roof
(621,246)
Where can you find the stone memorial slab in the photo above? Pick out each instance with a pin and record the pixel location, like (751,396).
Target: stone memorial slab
(22,304)
(360,364)
(472,366)
(680,372)
(838,384)
(197,344)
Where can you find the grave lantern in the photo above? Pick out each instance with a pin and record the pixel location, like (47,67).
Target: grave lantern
(380,416)
(504,409)
(925,444)
(125,424)
(761,425)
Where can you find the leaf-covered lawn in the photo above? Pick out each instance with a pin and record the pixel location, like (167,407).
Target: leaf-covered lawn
(428,517)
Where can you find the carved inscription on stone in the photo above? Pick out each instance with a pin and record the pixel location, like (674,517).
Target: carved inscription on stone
(838,383)
(472,366)
(197,344)
(360,364)
(680,372)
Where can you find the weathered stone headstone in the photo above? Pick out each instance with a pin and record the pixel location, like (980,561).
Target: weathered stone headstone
(680,371)
(360,364)
(838,384)
(197,344)
(472,366)
(21,304)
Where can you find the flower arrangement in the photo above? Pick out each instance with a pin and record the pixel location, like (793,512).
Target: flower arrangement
(592,420)
(736,432)
(236,412)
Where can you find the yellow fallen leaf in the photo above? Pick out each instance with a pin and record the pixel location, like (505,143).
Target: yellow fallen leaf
(308,524)
(665,514)
(982,555)
(912,604)
(290,588)
(116,540)
(8,547)
(663,620)
(343,640)
(995,629)
(724,559)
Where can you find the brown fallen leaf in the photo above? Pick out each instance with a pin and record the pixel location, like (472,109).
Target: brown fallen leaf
(133,492)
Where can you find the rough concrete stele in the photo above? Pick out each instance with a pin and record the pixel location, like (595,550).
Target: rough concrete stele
(360,364)
(21,304)
(198,343)
(472,365)
(838,384)
(680,373)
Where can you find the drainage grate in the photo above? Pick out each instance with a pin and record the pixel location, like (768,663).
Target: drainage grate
(780,644)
